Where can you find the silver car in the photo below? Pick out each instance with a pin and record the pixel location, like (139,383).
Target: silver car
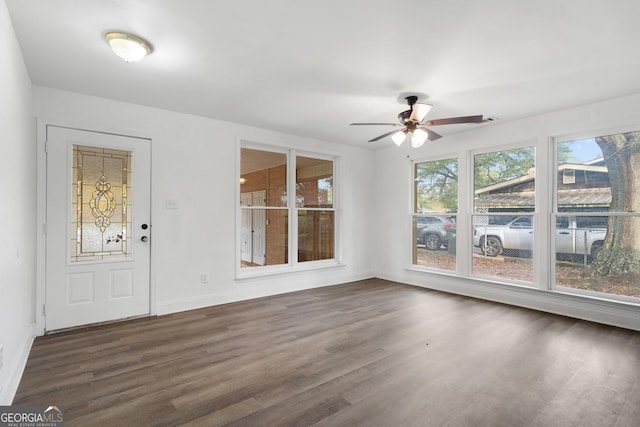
(581,235)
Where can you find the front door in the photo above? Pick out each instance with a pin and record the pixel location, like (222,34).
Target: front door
(97,227)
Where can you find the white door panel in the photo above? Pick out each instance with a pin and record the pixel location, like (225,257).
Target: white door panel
(98,227)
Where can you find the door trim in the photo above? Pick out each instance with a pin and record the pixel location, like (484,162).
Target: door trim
(41,209)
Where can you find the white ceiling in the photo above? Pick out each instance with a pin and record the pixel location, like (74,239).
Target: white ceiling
(312,67)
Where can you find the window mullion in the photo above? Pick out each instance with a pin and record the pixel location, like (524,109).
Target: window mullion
(293,209)
(542,238)
(465,202)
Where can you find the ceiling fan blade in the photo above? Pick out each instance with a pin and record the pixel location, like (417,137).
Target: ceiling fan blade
(374,124)
(378,138)
(454,120)
(432,135)
(419,112)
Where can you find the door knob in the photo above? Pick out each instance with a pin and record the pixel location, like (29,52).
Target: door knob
(144,238)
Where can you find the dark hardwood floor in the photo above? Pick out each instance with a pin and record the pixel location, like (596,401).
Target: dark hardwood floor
(370,353)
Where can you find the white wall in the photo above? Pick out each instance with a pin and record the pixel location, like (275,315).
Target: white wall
(17,211)
(193,162)
(393,171)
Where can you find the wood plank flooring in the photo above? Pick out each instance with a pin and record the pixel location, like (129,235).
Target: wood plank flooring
(369,353)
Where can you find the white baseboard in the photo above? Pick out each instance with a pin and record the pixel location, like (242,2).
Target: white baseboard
(597,310)
(241,293)
(16,367)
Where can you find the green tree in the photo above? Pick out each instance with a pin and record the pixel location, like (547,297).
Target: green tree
(564,154)
(621,249)
(436,186)
(437,181)
(500,166)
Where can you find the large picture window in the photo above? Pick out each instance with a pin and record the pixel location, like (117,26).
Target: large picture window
(314,203)
(597,215)
(570,225)
(264,208)
(503,206)
(435,214)
(270,210)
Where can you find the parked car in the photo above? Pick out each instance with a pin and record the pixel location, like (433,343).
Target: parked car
(433,231)
(574,236)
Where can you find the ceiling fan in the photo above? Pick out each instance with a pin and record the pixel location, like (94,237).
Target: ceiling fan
(413,123)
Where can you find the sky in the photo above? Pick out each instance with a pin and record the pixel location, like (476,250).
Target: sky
(583,150)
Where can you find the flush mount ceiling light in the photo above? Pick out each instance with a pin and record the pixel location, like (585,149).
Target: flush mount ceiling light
(128,47)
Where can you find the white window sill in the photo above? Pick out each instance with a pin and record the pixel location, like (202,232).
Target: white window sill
(282,270)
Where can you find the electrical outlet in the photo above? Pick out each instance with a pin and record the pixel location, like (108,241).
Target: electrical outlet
(204,278)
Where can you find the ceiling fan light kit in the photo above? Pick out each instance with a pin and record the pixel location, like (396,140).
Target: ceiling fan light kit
(399,137)
(415,125)
(418,112)
(418,138)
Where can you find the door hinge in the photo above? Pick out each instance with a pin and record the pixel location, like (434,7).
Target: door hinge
(44,228)
(44,310)
(46,146)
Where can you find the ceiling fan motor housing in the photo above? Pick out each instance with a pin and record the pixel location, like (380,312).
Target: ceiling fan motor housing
(403,117)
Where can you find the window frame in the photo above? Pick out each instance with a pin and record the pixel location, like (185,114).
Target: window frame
(554,142)
(413,214)
(464,215)
(540,155)
(543,215)
(296,210)
(292,265)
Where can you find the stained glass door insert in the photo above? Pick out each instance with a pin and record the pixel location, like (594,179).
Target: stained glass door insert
(101,185)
